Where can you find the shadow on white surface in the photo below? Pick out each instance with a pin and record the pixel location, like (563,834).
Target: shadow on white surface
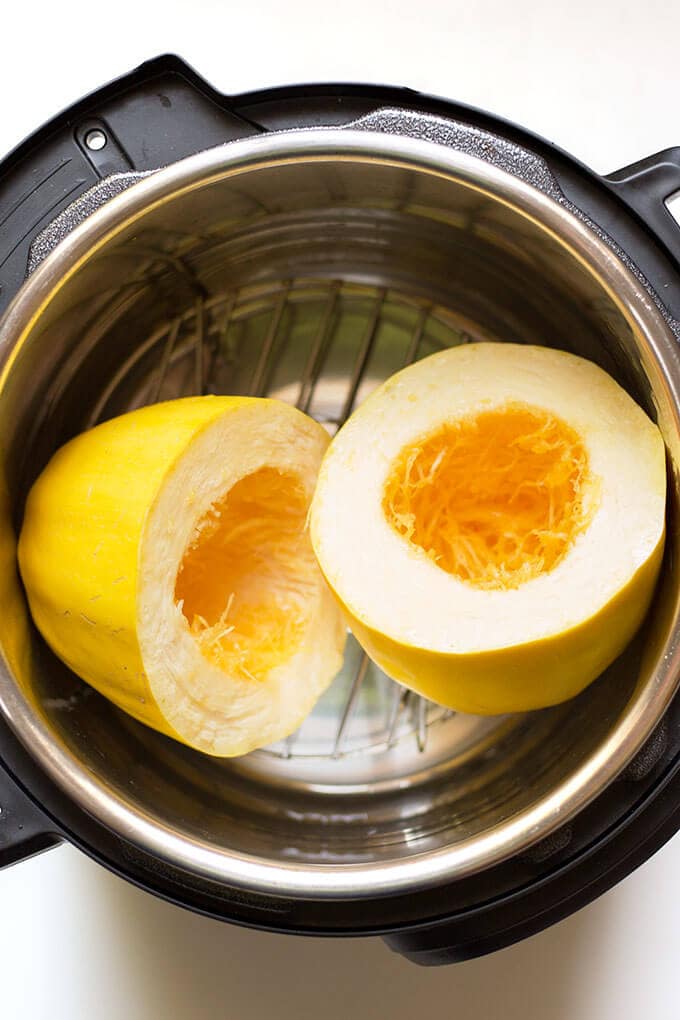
(190,968)
(77,943)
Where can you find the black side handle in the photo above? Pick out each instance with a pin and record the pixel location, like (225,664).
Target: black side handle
(159,113)
(24,830)
(645,187)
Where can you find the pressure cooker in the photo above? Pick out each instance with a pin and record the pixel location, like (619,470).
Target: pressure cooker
(161,239)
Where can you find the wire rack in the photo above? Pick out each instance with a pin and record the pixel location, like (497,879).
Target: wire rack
(321,345)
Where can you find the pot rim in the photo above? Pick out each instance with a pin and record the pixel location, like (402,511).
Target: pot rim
(658,349)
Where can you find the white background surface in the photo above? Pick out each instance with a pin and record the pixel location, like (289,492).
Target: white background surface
(600,78)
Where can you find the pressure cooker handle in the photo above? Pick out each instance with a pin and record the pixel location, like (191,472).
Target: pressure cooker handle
(645,187)
(153,116)
(24,830)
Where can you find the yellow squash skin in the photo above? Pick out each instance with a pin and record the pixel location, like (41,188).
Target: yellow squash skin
(81,537)
(522,677)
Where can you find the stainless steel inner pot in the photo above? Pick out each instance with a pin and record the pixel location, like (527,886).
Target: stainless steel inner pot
(309,266)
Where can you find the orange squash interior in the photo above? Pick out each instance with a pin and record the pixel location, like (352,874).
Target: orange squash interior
(495,499)
(245,576)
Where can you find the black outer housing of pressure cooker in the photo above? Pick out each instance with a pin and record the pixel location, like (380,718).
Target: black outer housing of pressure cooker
(162,112)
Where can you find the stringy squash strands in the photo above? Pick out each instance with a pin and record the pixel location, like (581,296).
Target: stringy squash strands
(495,499)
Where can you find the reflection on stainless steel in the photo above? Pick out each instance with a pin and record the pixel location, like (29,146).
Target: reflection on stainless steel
(310,266)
